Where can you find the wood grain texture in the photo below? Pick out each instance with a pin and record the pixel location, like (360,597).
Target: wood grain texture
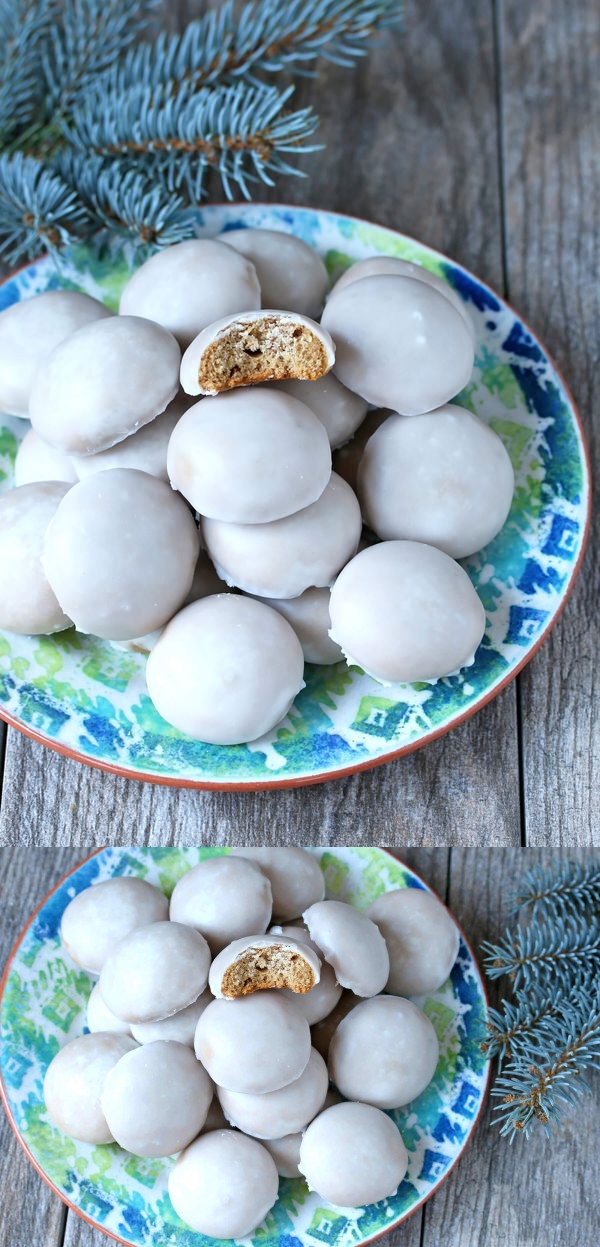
(522,1195)
(551,122)
(411,141)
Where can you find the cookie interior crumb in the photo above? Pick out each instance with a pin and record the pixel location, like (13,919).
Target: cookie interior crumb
(267,349)
(258,969)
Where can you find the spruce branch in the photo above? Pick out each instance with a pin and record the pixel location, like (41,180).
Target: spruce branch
(85,40)
(516,1025)
(124,203)
(262,36)
(241,131)
(24,24)
(38,210)
(552,952)
(119,135)
(571,887)
(548,1076)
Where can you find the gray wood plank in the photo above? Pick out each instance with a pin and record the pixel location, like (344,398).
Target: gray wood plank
(551,105)
(502,1194)
(27,1203)
(411,142)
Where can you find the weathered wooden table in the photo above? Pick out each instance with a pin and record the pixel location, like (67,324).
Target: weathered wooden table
(473,130)
(526,1194)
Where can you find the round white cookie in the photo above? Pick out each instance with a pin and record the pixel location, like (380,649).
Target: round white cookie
(103,383)
(287,556)
(155,971)
(75,1081)
(29,331)
(224,1184)
(421,937)
(103,914)
(156,1098)
(296,878)
(254,1044)
(28,603)
(222,897)
(352,944)
(444,478)
(225,670)
(404,611)
(120,553)
(352,1154)
(189,285)
(249,456)
(281,1112)
(292,275)
(399,343)
(385,1053)
(38,461)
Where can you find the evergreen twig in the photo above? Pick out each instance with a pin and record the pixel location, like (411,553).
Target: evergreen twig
(545,1077)
(569,888)
(548,1036)
(103,133)
(552,952)
(36,208)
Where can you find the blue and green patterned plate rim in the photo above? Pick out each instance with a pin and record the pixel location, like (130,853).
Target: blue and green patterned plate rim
(43,997)
(88,700)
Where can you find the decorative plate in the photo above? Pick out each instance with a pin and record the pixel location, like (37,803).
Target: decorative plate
(88,699)
(42,1005)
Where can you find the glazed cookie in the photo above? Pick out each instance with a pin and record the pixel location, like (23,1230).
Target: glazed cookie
(75,1081)
(252,347)
(103,383)
(384,1053)
(37,461)
(145,450)
(255,1044)
(155,1099)
(225,670)
(404,611)
(28,603)
(155,971)
(222,897)
(250,456)
(352,1154)
(421,937)
(224,1185)
(292,275)
(386,265)
(444,478)
(284,558)
(120,553)
(352,944)
(399,343)
(339,410)
(280,1112)
(261,962)
(102,915)
(29,332)
(179,1027)
(309,616)
(295,876)
(324,996)
(188,286)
